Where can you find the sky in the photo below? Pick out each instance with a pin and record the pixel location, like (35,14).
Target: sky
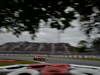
(71,35)
(49,35)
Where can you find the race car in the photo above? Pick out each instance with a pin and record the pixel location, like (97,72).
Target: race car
(43,69)
(39,58)
(51,69)
(39,67)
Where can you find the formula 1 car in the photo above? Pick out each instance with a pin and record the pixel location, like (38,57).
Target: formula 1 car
(39,58)
(43,69)
(51,69)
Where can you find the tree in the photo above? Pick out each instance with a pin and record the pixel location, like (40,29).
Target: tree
(82,45)
(25,15)
(96,44)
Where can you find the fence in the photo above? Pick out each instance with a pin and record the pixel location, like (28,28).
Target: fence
(56,56)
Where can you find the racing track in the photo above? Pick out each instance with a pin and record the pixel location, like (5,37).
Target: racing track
(57,60)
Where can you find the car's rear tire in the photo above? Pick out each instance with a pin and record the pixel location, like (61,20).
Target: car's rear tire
(24,72)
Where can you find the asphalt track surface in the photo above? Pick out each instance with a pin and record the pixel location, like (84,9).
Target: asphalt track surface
(71,61)
(57,60)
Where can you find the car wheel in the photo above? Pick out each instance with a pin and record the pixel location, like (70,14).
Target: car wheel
(24,72)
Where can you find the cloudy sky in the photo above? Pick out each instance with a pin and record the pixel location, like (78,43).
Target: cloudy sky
(49,35)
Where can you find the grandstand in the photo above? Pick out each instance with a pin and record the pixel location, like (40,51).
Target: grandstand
(36,48)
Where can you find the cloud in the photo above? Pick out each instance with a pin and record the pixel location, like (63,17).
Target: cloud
(48,35)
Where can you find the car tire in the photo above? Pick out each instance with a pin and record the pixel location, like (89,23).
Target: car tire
(85,71)
(25,72)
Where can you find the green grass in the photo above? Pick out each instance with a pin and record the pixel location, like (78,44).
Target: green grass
(17,62)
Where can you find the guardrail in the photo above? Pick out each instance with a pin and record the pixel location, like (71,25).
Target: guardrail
(64,56)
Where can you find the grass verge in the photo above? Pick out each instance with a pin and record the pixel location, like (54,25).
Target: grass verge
(17,62)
